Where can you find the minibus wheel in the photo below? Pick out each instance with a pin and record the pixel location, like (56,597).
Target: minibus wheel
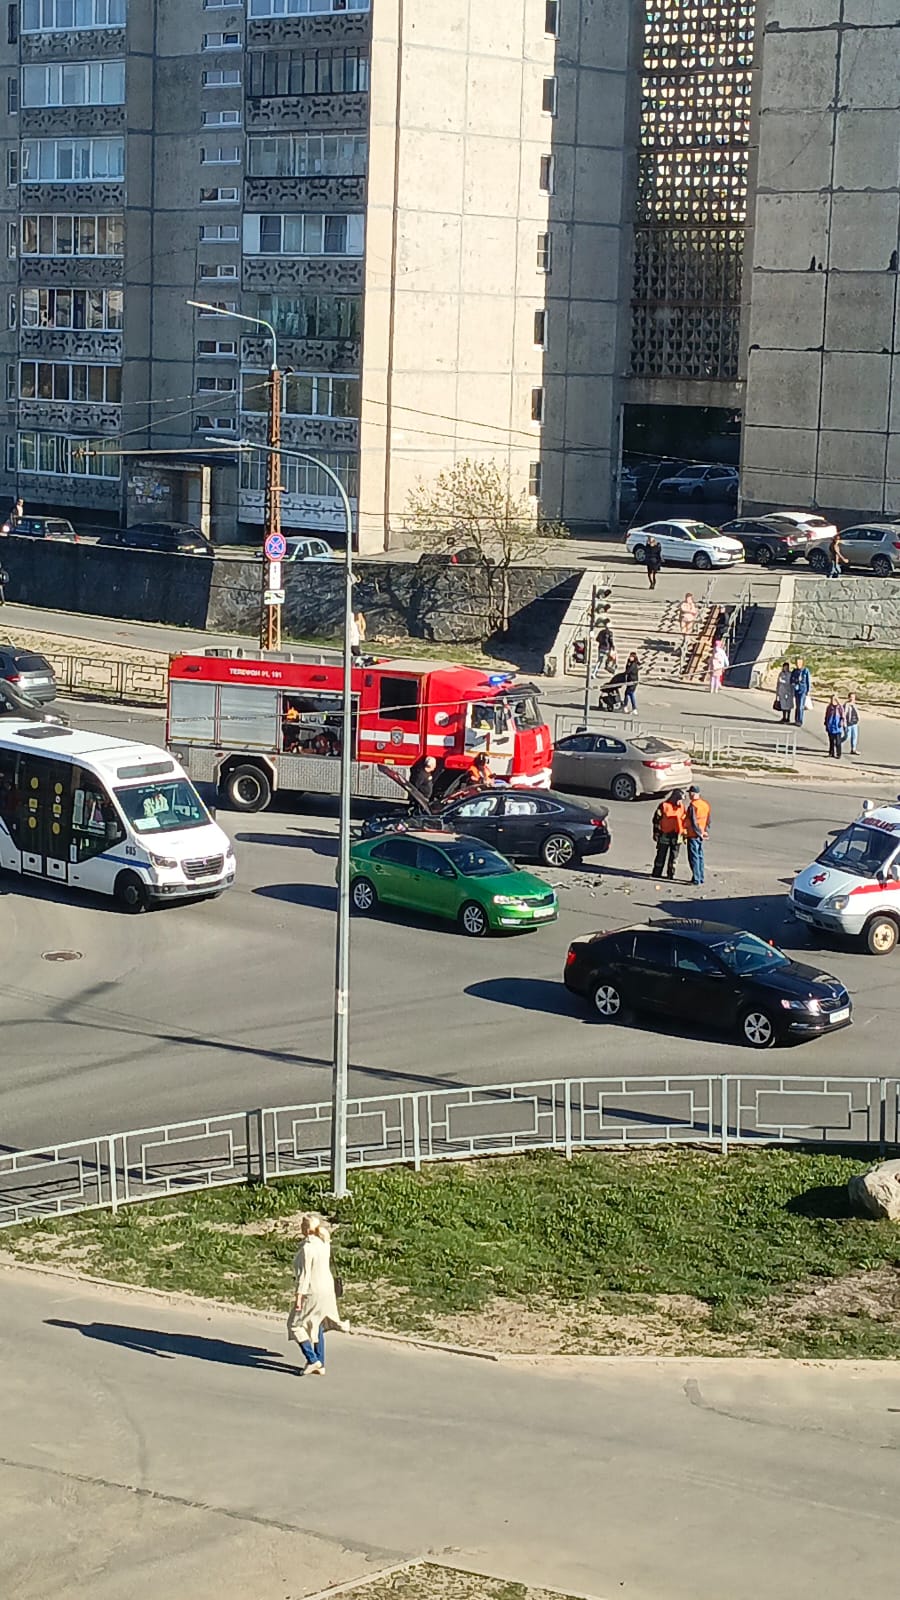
(130,893)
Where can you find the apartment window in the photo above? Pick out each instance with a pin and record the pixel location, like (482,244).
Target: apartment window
(222,78)
(540,329)
(74,382)
(547,174)
(67,458)
(12,311)
(44,234)
(97,309)
(535,474)
(74,83)
(11,240)
(543,252)
(221,269)
(303,477)
(303,8)
(72,160)
(10,381)
(293,72)
(216,385)
(304,394)
(551,18)
(220,155)
(312,316)
(221,119)
(220,196)
(550,96)
(537,405)
(12,24)
(217,347)
(12,96)
(300,155)
(221,41)
(217,306)
(303,234)
(57,16)
(219,5)
(210,424)
(218,232)
(12,168)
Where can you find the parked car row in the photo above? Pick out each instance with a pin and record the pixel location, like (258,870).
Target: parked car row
(173,538)
(785,536)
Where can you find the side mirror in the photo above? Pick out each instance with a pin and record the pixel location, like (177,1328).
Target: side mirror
(894,872)
(447,872)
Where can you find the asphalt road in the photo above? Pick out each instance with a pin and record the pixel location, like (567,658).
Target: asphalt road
(151,1448)
(227,1004)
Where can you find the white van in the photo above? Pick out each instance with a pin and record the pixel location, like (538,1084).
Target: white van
(106,815)
(853,887)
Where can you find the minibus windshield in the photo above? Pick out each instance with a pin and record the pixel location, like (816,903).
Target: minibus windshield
(163,807)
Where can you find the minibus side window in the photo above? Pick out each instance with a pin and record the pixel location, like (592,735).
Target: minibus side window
(95,823)
(9,793)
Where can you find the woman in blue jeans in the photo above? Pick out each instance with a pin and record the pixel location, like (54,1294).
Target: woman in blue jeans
(632,673)
(315,1305)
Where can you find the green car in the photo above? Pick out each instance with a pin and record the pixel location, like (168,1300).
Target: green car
(448,875)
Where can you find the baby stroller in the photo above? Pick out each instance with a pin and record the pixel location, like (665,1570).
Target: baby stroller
(612,694)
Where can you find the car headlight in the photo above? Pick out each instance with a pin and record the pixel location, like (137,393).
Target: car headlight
(509,900)
(836,902)
(161,861)
(229,853)
(813,1006)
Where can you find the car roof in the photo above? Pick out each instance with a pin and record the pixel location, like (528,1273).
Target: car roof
(670,522)
(686,927)
(878,527)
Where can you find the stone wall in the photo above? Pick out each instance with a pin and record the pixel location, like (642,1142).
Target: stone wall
(842,614)
(142,586)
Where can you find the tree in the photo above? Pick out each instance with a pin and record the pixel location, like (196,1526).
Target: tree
(474,507)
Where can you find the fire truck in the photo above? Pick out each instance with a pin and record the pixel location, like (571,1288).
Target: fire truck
(254,724)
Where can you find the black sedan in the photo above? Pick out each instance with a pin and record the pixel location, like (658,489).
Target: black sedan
(784,536)
(706,972)
(523,824)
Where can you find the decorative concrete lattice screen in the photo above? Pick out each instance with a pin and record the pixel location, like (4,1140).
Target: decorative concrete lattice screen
(692,188)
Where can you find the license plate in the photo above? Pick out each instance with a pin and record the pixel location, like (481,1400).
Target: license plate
(544,911)
(840,1016)
(803,916)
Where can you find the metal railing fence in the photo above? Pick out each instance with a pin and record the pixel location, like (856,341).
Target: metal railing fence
(709,744)
(445,1124)
(141,683)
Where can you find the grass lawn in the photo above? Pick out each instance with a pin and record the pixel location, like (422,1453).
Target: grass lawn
(669,1251)
(874,674)
(428,1582)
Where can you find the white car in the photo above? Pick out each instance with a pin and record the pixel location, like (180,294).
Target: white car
(686,543)
(308,550)
(701,483)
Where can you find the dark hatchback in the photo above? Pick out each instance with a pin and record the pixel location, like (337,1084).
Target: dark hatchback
(175,538)
(706,972)
(42,528)
(523,824)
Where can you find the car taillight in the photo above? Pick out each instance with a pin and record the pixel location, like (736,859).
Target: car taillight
(897,544)
(12,677)
(570,958)
(658,766)
(597,822)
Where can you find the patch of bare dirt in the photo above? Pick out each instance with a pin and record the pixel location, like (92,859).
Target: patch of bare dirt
(874,1294)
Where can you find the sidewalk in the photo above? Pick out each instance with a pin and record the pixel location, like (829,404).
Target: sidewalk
(154,1447)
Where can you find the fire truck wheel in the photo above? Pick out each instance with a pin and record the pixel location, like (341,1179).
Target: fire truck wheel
(473,920)
(363,896)
(247,789)
(558,850)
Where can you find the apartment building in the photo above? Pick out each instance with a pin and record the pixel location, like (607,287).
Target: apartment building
(427,202)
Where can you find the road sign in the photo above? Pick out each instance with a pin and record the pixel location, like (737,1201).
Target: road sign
(274,597)
(275,546)
(273,578)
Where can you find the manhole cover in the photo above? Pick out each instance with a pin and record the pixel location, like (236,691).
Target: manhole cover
(61,955)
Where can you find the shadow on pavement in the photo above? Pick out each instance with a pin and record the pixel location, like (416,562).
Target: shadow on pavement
(765,914)
(151,1342)
(321,844)
(320,896)
(527,994)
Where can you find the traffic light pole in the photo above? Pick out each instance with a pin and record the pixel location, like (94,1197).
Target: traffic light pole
(589,656)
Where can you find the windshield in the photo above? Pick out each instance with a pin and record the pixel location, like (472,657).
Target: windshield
(163,807)
(701,530)
(526,712)
(475,861)
(744,953)
(860,849)
(490,716)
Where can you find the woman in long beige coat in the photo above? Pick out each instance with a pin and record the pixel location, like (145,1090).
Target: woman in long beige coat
(315,1305)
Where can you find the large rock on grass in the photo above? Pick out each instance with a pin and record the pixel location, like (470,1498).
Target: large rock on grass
(877,1192)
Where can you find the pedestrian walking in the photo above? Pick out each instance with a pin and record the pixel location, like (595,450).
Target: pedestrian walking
(4,580)
(632,674)
(357,633)
(687,622)
(14,517)
(718,666)
(669,828)
(801,684)
(784,694)
(315,1306)
(654,560)
(851,723)
(835,727)
(836,557)
(697,816)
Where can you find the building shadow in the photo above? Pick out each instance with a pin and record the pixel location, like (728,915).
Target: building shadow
(168,1346)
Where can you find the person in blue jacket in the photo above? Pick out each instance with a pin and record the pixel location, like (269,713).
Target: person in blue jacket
(835,727)
(801,683)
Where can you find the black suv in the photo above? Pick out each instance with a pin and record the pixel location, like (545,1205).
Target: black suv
(42,528)
(776,538)
(179,538)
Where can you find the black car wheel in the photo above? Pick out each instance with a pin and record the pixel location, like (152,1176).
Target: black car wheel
(757,1028)
(473,920)
(363,896)
(765,555)
(558,850)
(607,1001)
(130,893)
(623,787)
(881,566)
(702,561)
(640,554)
(818,561)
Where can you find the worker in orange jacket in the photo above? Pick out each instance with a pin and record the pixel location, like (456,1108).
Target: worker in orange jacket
(697,828)
(669,828)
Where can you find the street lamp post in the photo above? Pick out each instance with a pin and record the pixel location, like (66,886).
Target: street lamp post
(341,1059)
(270,615)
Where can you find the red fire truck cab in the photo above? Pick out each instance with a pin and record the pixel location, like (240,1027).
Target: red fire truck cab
(255,724)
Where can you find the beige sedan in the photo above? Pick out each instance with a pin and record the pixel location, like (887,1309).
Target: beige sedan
(624,768)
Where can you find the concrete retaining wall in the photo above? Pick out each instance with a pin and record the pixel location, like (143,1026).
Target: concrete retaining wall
(142,586)
(843,612)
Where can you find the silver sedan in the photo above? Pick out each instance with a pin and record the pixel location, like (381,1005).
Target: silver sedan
(625,768)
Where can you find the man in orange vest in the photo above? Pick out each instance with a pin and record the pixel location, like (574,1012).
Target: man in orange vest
(697,826)
(668,830)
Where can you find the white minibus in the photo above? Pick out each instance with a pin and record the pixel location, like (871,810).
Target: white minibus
(106,815)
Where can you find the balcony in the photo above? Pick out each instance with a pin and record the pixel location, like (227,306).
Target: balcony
(306,194)
(343,111)
(70,416)
(304,355)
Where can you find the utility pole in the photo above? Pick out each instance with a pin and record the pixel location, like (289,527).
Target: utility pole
(589,656)
(270,613)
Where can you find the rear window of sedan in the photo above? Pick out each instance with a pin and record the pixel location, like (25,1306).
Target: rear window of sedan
(29,663)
